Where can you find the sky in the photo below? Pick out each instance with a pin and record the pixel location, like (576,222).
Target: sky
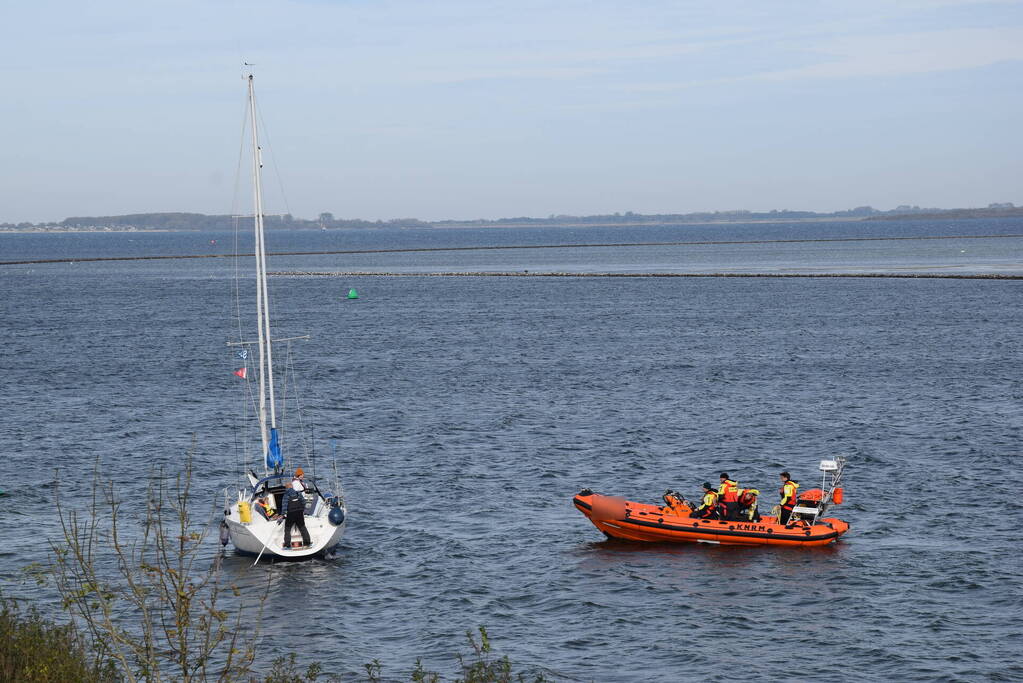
(480,109)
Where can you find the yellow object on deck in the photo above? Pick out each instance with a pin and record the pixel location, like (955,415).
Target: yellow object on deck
(244,512)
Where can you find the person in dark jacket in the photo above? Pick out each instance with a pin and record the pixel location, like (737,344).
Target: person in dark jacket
(294,509)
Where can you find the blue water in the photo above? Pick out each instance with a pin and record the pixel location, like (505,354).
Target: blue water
(467,411)
(956,256)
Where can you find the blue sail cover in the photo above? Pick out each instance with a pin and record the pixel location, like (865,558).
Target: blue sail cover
(274,459)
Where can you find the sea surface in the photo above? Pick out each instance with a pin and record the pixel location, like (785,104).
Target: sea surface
(465,412)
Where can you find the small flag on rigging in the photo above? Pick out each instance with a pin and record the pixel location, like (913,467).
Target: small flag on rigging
(240,372)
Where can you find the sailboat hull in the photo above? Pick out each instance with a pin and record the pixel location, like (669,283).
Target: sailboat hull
(267,536)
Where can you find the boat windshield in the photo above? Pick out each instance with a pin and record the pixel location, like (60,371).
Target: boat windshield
(277,482)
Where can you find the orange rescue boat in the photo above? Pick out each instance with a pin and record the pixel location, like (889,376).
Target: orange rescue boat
(628,520)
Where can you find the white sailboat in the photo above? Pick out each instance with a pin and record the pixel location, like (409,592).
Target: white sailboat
(246,523)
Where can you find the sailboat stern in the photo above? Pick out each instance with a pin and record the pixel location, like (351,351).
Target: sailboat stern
(254,533)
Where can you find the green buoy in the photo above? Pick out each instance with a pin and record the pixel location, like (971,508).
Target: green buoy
(352,294)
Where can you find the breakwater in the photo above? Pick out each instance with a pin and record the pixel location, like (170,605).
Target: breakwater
(602,245)
(526,273)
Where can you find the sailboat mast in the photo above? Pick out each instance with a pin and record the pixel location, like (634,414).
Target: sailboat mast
(266,380)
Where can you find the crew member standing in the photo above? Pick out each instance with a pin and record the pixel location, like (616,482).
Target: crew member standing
(788,497)
(294,510)
(709,508)
(728,492)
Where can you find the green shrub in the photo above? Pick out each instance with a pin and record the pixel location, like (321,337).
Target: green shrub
(483,668)
(478,667)
(35,650)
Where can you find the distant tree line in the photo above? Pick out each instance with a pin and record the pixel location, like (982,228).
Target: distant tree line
(631,218)
(199,221)
(1003,210)
(743,216)
(179,221)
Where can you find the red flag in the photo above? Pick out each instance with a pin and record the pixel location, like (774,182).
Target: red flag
(240,372)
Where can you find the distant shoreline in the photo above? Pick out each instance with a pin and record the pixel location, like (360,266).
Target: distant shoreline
(197,222)
(85,232)
(641,224)
(462,226)
(567,224)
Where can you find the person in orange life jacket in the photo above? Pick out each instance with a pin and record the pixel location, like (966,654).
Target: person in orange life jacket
(709,508)
(748,505)
(788,497)
(294,509)
(266,507)
(728,493)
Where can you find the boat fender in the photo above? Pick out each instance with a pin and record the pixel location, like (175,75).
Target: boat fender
(336,516)
(225,533)
(836,496)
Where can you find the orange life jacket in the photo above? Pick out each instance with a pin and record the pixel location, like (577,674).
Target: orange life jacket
(729,491)
(788,493)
